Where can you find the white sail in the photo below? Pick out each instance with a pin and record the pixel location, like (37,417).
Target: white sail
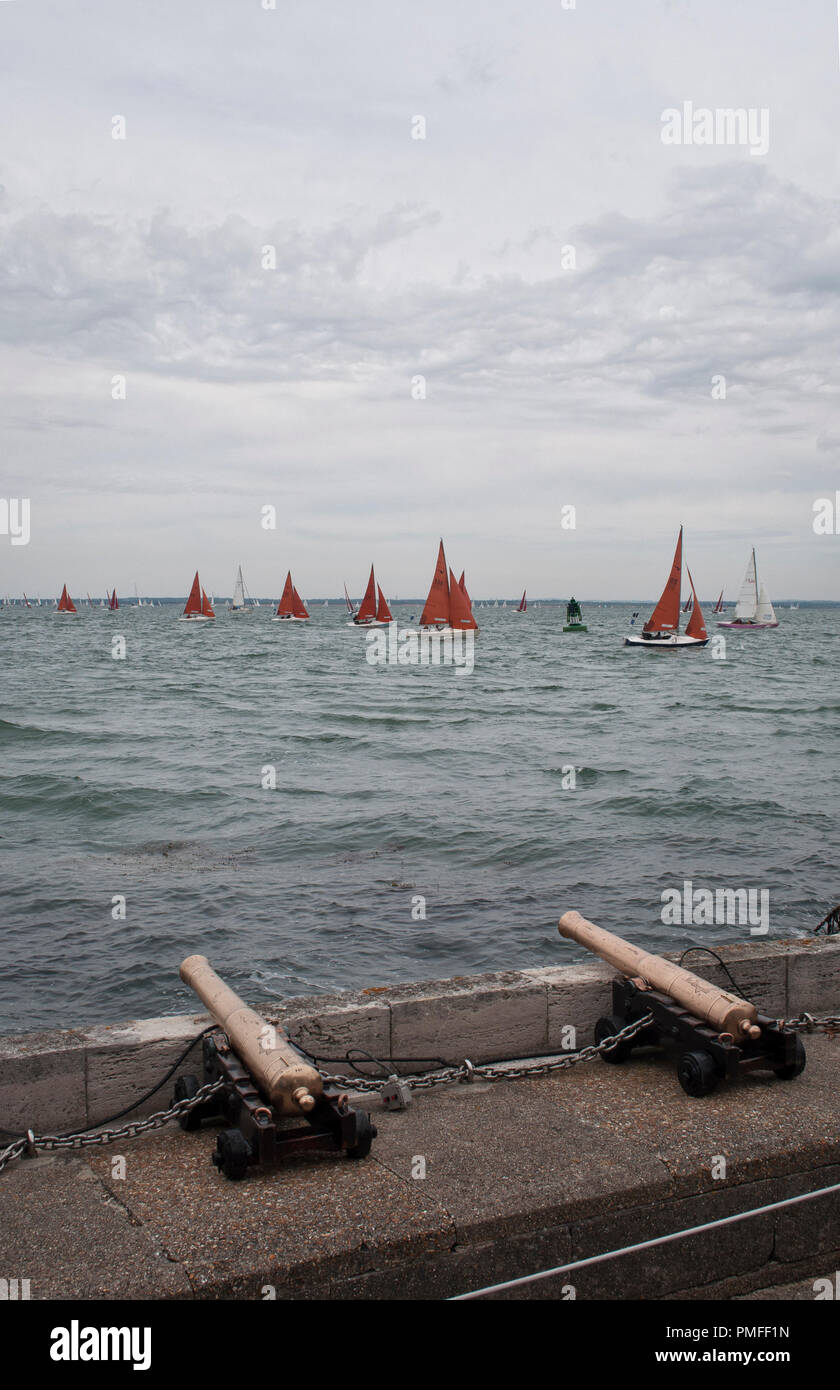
(238,600)
(764,613)
(745,608)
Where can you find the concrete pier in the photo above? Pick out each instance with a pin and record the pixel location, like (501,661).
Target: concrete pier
(473,1184)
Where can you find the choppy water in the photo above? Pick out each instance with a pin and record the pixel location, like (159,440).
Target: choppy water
(142,777)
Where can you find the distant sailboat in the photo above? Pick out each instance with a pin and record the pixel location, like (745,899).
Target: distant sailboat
(373,609)
(113,601)
(448,607)
(238,603)
(26,601)
(688,605)
(65,603)
(523,606)
(349,606)
(662,630)
(719,606)
(198,608)
(753,610)
(291,608)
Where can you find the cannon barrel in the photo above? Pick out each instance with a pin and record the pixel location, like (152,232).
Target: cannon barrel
(725,1012)
(288,1082)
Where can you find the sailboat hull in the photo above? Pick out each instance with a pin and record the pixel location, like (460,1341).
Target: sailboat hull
(288,618)
(747,627)
(448,631)
(372,622)
(677,641)
(575,627)
(195,618)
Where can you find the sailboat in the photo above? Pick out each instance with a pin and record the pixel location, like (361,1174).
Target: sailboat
(719,606)
(661,632)
(574,617)
(198,608)
(753,609)
(65,603)
(347,602)
(237,603)
(448,607)
(113,602)
(688,605)
(291,608)
(523,606)
(373,609)
(26,601)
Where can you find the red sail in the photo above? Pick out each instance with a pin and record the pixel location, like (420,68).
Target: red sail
(436,609)
(113,601)
(696,627)
(285,608)
(298,609)
(523,607)
(718,608)
(206,607)
(367,609)
(460,612)
(462,586)
(65,603)
(193,603)
(666,615)
(383,612)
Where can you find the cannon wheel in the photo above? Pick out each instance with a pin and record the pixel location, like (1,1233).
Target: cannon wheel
(365,1135)
(794,1068)
(607,1028)
(232,1154)
(185,1088)
(697,1073)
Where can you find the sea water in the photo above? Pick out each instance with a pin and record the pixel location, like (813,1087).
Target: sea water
(263,794)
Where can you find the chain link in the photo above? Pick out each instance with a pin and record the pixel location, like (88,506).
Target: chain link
(422,1081)
(806,1023)
(107,1136)
(467,1071)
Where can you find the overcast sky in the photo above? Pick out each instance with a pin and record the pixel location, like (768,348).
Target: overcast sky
(546,385)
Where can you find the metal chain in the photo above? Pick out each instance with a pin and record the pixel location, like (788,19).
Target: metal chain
(806,1023)
(30,1144)
(468,1072)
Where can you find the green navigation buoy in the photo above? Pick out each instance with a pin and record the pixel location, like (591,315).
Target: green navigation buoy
(574,617)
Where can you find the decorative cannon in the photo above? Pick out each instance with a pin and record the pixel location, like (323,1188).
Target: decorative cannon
(268,1085)
(720,1034)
